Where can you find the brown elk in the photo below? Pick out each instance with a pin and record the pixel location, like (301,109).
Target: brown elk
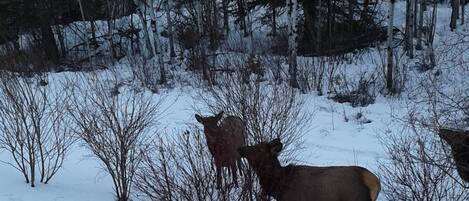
(223,142)
(459,142)
(305,183)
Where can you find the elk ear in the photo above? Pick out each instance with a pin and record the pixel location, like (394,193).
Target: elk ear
(275,146)
(219,115)
(199,118)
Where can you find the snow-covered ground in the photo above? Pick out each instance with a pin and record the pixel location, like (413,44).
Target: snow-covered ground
(330,141)
(335,137)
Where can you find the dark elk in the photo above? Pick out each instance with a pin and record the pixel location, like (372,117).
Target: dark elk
(306,183)
(459,142)
(223,141)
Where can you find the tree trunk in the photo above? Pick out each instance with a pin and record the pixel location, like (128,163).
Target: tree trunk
(274,21)
(414,17)
(94,41)
(172,53)
(390,66)
(202,46)
(157,50)
(431,36)
(147,51)
(463,4)
(48,43)
(226,16)
(242,16)
(292,6)
(248,23)
(420,25)
(454,14)
(319,26)
(409,28)
(60,36)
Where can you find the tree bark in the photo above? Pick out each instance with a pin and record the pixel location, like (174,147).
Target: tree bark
(390,66)
(157,50)
(147,51)
(454,14)
(172,53)
(409,28)
(292,6)
(274,21)
(463,4)
(420,25)
(226,16)
(48,43)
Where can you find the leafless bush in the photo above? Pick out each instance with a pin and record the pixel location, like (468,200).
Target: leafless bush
(180,168)
(114,127)
(418,168)
(145,71)
(34,128)
(359,92)
(269,110)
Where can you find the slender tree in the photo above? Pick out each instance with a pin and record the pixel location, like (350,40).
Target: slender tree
(463,4)
(292,6)
(454,14)
(422,8)
(172,53)
(390,66)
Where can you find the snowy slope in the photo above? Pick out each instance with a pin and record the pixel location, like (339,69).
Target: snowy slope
(335,137)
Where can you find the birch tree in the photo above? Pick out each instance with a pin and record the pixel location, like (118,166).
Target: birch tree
(141,12)
(430,54)
(157,49)
(292,6)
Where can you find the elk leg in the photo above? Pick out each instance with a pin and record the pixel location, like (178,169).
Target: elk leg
(240,166)
(218,177)
(233,173)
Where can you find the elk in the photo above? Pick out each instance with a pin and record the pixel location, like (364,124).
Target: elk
(459,142)
(305,183)
(223,142)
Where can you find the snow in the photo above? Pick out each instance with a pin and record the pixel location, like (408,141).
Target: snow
(331,141)
(335,137)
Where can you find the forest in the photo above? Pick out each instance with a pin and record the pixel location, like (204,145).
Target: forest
(241,100)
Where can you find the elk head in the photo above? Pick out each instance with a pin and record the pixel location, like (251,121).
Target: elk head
(263,154)
(210,121)
(459,143)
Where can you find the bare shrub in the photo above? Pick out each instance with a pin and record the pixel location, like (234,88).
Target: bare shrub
(146,72)
(421,164)
(359,93)
(34,128)
(418,169)
(180,168)
(269,110)
(114,127)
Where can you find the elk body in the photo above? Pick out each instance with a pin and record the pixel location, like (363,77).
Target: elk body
(223,142)
(306,183)
(459,143)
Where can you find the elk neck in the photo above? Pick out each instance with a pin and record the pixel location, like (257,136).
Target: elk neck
(212,132)
(272,176)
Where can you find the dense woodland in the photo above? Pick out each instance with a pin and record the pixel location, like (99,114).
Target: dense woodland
(254,59)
